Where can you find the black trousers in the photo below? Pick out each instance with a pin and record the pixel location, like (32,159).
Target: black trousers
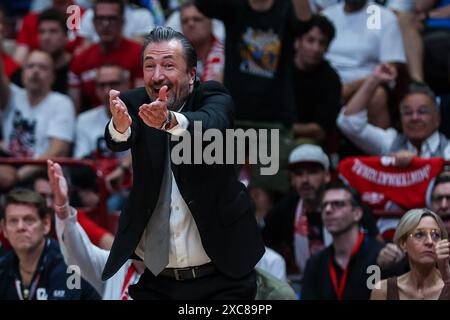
(212,287)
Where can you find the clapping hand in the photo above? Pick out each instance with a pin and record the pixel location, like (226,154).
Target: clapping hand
(155,114)
(121,118)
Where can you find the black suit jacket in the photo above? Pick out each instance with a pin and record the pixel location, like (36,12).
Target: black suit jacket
(219,203)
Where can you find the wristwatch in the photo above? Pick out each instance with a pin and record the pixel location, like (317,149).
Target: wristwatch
(166,123)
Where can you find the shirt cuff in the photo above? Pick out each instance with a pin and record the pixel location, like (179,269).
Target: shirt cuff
(182,125)
(116,135)
(61,224)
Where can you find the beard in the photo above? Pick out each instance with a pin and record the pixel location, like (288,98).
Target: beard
(174,102)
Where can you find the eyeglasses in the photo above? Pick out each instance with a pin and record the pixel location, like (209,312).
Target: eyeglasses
(335,204)
(420,235)
(439,198)
(422,111)
(110,19)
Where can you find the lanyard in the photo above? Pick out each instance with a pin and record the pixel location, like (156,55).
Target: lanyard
(339,288)
(28,293)
(126,283)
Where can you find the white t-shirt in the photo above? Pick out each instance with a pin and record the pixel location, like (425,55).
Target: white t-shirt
(138,22)
(90,131)
(27,129)
(399,5)
(402,5)
(90,134)
(361,43)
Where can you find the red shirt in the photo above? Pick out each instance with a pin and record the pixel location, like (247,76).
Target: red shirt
(93,230)
(9,64)
(83,68)
(28,34)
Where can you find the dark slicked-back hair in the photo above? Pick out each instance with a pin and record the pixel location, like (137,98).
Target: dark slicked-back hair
(163,34)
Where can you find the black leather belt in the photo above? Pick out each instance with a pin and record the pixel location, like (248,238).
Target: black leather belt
(189,273)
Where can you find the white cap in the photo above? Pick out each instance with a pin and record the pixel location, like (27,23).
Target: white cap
(308,153)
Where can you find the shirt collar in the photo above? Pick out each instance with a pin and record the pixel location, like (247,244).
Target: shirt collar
(428,147)
(181,108)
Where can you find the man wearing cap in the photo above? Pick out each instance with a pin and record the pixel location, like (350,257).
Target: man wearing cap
(420,119)
(294,226)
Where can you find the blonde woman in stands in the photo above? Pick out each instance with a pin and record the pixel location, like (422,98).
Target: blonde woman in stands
(422,236)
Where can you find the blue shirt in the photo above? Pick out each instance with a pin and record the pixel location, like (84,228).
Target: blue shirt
(439,22)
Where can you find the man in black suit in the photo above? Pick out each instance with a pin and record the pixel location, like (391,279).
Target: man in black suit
(213,241)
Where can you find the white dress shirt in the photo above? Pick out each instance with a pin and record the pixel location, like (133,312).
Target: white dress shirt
(185,248)
(377,141)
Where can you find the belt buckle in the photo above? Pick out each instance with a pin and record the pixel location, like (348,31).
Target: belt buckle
(178,277)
